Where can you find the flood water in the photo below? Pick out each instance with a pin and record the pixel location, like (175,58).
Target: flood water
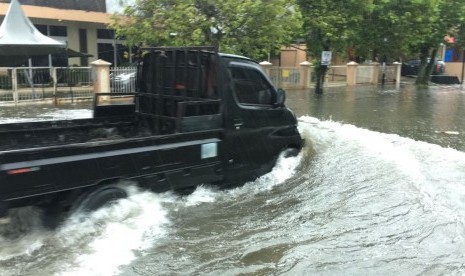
(379,189)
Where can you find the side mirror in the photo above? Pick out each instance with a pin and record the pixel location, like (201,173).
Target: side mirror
(280,97)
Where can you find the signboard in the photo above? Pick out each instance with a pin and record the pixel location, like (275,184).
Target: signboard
(326,58)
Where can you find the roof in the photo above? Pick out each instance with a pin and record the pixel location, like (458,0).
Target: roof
(60,14)
(17,29)
(235,57)
(20,38)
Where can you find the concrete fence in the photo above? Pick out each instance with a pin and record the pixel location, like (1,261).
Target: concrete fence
(40,83)
(78,83)
(23,84)
(303,77)
(455,69)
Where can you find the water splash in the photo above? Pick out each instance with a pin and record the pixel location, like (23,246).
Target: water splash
(354,201)
(117,232)
(400,200)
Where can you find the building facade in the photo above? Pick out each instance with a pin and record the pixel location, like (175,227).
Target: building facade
(82,24)
(95,5)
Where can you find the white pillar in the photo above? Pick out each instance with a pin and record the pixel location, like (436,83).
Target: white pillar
(374,72)
(14,84)
(266,67)
(398,66)
(352,73)
(101,76)
(306,78)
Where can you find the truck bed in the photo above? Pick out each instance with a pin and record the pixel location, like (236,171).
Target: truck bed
(165,161)
(51,133)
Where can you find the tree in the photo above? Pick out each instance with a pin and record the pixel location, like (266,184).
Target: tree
(393,26)
(382,29)
(330,25)
(396,28)
(254,28)
(450,20)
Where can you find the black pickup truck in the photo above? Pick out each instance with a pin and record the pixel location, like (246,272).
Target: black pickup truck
(196,117)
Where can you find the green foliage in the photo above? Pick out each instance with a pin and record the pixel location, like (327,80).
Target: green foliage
(452,19)
(395,28)
(383,28)
(249,27)
(332,24)
(380,27)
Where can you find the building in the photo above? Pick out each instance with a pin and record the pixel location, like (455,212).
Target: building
(82,24)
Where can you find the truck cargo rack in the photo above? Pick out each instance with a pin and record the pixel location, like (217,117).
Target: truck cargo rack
(179,89)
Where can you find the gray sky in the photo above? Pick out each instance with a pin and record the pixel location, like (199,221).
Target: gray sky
(113,6)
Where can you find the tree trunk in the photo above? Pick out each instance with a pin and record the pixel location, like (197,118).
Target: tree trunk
(426,68)
(320,72)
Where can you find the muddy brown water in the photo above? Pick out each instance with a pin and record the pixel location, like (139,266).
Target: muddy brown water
(379,189)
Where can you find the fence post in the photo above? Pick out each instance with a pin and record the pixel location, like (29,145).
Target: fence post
(306,74)
(101,77)
(397,65)
(14,84)
(352,73)
(375,72)
(53,73)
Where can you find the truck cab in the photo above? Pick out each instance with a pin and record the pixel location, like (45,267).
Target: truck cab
(258,125)
(234,96)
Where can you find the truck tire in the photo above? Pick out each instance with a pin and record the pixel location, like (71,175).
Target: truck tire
(96,198)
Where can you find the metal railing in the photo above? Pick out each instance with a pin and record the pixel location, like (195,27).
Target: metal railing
(365,74)
(6,84)
(123,79)
(76,83)
(287,77)
(336,74)
(389,72)
(42,83)
(305,77)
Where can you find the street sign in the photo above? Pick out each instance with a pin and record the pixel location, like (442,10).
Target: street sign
(326,58)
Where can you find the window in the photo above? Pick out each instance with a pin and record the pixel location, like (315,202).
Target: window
(251,87)
(83,46)
(105,34)
(58,31)
(108,43)
(51,30)
(106,52)
(42,28)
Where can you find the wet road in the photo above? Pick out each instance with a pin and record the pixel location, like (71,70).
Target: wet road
(379,189)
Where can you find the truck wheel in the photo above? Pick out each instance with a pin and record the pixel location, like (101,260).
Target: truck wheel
(97,198)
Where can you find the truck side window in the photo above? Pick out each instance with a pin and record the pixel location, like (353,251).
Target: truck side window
(251,87)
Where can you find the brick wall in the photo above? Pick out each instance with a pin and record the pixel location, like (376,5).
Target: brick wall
(86,5)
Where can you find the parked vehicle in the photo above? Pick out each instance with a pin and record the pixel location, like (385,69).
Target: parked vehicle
(197,117)
(411,67)
(123,82)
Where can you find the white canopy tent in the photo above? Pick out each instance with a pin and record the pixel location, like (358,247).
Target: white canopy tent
(20,39)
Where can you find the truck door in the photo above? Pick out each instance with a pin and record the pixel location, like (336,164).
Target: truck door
(252,120)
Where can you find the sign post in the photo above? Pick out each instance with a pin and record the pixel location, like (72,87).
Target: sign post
(321,70)
(326,58)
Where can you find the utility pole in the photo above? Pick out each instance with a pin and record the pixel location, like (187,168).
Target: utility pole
(115,52)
